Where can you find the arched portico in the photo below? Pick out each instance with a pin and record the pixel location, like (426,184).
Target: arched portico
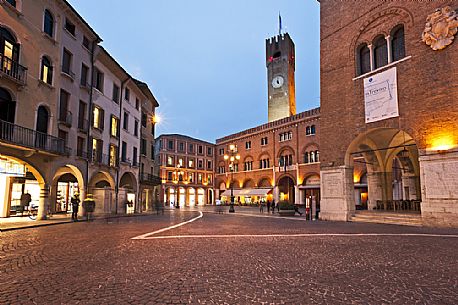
(67,181)
(102,185)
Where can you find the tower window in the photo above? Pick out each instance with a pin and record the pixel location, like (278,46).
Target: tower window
(277,54)
(364,59)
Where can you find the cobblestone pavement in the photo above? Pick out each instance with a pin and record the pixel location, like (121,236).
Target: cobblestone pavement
(99,263)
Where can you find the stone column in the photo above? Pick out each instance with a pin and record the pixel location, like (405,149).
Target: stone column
(276,194)
(439,188)
(297,195)
(374,189)
(388,48)
(337,194)
(371,54)
(43,205)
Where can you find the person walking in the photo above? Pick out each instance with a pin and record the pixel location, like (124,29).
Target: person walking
(75,206)
(268,206)
(261,206)
(273,206)
(25,202)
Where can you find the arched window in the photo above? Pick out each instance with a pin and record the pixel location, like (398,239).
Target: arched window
(313,129)
(317,156)
(398,43)
(380,52)
(363,59)
(7,106)
(9,50)
(307,130)
(48,26)
(46,70)
(306,157)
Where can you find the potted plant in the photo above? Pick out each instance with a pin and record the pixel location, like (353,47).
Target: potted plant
(286,208)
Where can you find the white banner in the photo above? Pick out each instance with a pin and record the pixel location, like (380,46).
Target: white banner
(381,96)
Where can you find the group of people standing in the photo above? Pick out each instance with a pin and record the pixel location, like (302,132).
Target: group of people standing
(271,206)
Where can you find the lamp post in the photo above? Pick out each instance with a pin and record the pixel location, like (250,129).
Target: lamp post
(178,174)
(232,157)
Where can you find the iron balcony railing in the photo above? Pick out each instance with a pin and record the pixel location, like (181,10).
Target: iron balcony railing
(13,70)
(30,138)
(150,179)
(103,159)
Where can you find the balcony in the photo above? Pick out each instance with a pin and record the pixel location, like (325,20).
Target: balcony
(149,179)
(13,70)
(66,117)
(103,159)
(25,137)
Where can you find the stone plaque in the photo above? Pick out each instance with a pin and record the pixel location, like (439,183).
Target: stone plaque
(332,185)
(441,179)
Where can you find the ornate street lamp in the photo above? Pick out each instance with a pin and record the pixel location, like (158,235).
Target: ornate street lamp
(232,157)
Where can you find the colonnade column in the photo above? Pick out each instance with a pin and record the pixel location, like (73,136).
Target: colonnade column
(388,45)
(371,52)
(43,205)
(297,194)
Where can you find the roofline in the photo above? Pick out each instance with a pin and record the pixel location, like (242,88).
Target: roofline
(99,39)
(182,136)
(147,91)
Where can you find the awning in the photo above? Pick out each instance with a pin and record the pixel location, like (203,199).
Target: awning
(247,192)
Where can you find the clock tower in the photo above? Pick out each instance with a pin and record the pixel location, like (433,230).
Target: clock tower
(280,62)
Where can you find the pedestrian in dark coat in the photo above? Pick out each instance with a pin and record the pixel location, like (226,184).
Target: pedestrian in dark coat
(268,206)
(75,206)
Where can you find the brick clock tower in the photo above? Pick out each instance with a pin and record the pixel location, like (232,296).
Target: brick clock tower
(280,62)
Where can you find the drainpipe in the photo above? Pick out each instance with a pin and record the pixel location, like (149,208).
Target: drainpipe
(121,118)
(91,99)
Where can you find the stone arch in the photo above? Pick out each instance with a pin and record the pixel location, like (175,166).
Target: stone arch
(401,14)
(248,183)
(128,181)
(286,184)
(264,182)
(101,179)
(286,148)
(67,181)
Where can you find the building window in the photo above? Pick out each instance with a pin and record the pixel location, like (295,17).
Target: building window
(113,155)
(48,26)
(209,151)
(46,70)
(67,62)
(134,157)
(264,163)
(152,151)
(221,169)
(82,123)
(144,118)
(143,146)
(199,178)
(191,163)
(380,52)
(248,166)
(264,141)
(97,147)
(63,106)
(114,128)
(70,27)
(364,59)
(313,129)
(200,150)
(124,151)
(312,156)
(136,128)
(180,162)
(98,79)
(86,43)
(209,165)
(125,123)
(398,44)
(209,179)
(137,103)
(170,161)
(200,164)
(115,95)
(84,74)
(191,148)
(286,160)
(221,151)
(248,145)
(98,118)
(169,176)
(127,94)
(170,144)
(80,147)
(181,146)
(286,136)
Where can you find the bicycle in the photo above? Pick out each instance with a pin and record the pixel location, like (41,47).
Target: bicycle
(33,213)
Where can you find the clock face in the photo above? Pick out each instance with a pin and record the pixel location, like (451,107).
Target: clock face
(278,81)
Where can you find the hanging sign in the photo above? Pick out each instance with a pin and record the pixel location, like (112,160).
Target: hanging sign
(381,96)
(11,168)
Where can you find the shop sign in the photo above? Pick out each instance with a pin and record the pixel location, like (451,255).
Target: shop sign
(11,168)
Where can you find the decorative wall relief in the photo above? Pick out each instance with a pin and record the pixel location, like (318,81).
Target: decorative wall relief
(440,29)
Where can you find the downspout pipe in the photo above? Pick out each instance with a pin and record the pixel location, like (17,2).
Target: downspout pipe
(90,114)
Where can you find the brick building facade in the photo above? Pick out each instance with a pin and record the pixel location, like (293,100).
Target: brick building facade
(412,155)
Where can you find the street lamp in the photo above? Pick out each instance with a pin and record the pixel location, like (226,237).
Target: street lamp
(232,157)
(178,178)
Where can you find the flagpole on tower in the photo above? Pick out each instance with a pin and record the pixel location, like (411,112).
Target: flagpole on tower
(279,24)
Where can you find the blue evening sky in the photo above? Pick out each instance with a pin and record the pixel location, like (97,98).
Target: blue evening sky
(204,60)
